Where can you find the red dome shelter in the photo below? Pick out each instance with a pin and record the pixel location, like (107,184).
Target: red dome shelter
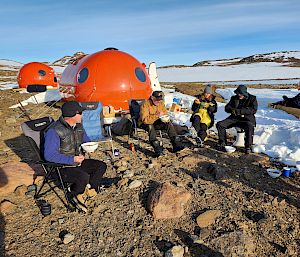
(36,76)
(110,76)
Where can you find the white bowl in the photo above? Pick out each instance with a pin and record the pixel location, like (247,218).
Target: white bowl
(165,118)
(230,149)
(274,173)
(89,147)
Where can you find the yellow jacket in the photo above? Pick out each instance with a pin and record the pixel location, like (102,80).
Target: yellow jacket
(150,113)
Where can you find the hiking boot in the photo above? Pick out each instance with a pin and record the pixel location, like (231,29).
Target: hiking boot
(90,192)
(158,149)
(78,201)
(193,132)
(248,150)
(199,142)
(177,145)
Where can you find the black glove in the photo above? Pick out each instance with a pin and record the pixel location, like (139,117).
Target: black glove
(238,112)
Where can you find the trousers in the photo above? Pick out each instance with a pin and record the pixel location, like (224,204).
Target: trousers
(89,172)
(201,128)
(247,126)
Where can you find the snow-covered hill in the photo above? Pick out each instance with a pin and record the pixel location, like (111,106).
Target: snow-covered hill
(291,58)
(271,68)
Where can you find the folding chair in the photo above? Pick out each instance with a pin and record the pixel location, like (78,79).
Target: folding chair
(34,132)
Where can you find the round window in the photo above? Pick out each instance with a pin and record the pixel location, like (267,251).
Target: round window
(83,75)
(42,72)
(140,74)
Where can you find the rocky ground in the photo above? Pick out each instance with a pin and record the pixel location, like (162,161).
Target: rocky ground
(256,215)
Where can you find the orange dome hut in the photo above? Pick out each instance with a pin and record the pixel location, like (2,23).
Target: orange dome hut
(36,76)
(110,76)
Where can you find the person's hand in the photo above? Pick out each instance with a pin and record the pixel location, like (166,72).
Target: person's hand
(206,105)
(78,159)
(161,114)
(197,101)
(235,112)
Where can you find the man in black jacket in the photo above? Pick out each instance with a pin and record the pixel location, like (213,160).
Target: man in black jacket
(242,108)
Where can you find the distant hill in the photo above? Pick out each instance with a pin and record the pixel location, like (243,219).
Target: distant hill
(67,59)
(290,58)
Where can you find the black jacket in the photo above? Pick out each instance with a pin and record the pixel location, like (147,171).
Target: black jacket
(242,109)
(211,109)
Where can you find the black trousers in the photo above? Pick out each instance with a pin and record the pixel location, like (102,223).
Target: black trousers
(159,125)
(89,172)
(201,128)
(247,126)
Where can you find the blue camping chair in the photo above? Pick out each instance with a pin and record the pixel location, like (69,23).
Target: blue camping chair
(93,123)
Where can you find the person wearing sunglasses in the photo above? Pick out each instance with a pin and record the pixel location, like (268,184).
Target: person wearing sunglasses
(62,145)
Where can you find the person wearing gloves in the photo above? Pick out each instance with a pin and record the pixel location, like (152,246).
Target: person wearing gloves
(242,108)
(62,145)
(204,108)
(150,116)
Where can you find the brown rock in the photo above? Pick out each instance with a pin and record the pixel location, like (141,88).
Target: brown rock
(14,174)
(6,206)
(21,190)
(207,218)
(235,244)
(167,201)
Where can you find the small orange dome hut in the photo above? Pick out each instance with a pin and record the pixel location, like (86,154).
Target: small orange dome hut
(110,76)
(37,74)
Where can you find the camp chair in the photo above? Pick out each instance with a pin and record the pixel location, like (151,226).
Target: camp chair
(92,122)
(34,132)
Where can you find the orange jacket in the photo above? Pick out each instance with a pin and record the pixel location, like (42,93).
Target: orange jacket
(150,112)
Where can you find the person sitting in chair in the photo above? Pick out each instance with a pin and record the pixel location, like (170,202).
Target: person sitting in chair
(204,108)
(242,108)
(62,145)
(150,116)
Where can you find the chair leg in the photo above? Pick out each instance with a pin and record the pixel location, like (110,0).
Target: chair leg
(64,188)
(37,194)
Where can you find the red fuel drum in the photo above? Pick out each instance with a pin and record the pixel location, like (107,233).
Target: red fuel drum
(110,76)
(36,73)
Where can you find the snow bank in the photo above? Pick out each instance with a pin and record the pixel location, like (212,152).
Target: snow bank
(277,133)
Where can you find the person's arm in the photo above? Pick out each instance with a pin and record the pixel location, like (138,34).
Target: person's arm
(213,107)
(51,149)
(251,109)
(229,108)
(196,105)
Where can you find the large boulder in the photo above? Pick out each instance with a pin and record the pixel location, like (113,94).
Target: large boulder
(14,174)
(167,201)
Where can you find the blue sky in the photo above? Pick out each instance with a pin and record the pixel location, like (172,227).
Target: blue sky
(166,31)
